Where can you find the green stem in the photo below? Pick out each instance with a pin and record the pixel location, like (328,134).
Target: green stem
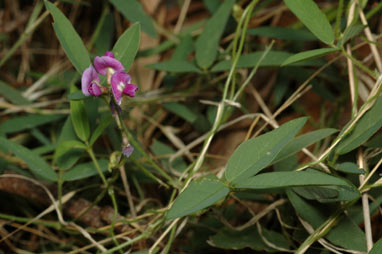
(110,192)
(98,168)
(359,64)
(125,244)
(337,31)
(55,225)
(325,227)
(137,146)
(170,240)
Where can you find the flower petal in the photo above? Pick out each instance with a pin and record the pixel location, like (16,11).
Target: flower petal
(127,151)
(110,54)
(88,77)
(118,83)
(94,89)
(130,90)
(102,63)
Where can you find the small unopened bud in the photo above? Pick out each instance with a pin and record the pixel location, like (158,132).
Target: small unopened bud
(114,160)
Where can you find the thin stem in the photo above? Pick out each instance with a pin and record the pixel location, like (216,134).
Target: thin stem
(140,149)
(359,64)
(365,204)
(110,192)
(337,30)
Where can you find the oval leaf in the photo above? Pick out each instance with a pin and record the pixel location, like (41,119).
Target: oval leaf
(126,48)
(84,170)
(100,128)
(313,18)
(198,195)
(67,146)
(302,141)
(377,248)
(21,123)
(68,159)
(207,43)
(345,234)
(79,118)
(176,66)
(282,33)
(37,165)
(273,58)
(302,56)
(69,39)
(12,94)
(350,168)
(77,96)
(291,179)
(369,123)
(133,11)
(255,154)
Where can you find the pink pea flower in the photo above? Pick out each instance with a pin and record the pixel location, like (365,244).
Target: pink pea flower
(120,84)
(90,82)
(107,65)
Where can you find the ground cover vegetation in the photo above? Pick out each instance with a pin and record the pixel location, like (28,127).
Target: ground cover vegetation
(179,126)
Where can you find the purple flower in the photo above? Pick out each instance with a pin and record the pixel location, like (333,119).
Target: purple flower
(120,84)
(89,82)
(107,63)
(127,151)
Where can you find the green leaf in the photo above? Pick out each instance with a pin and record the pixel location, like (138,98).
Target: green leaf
(255,154)
(351,32)
(184,48)
(369,123)
(314,216)
(313,18)
(12,94)
(345,234)
(67,146)
(69,39)
(134,12)
(68,159)
(44,149)
(302,141)
(100,128)
(126,48)
(272,59)
(79,118)
(180,110)
(207,43)
(348,235)
(77,96)
(350,168)
(84,170)
(282,33)
(302,56)
(291,179)
(377,248)
(198,195)
(231,239)
(37,165)
(177,66)
(318,193)
(159,149)
(21,123)
(375,142)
